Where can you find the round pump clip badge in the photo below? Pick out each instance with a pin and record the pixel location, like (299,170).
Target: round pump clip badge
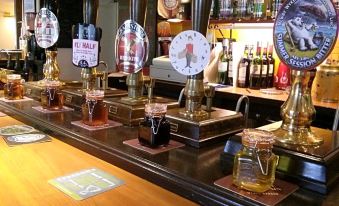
(170,4)
(189,52)
(305,32)
(46,28)
(131,47)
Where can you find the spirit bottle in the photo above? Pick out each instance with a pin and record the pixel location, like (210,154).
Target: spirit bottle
(255,69)
(250,9)
(268,9)
(258,9)
(242,9)
(276,4)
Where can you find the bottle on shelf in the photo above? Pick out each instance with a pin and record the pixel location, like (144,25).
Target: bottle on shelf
(17,64)
(216,9)
(271,67)
(9,64)
(268,13)
(226,10)
(230,63)
(250,9)
(223,64)
(264,68)
(258,9)
(235,4)
(241,10)
(255,69)
(276,4)
(243,69)
(26,69)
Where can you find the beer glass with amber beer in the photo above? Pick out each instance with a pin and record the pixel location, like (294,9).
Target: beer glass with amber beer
(52,97)
(94,110)
(13,89)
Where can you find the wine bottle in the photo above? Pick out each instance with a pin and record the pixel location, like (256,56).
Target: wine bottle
(26,69)
(264,68)
(223,64)
(230,64)
(255,69)
(271,67)
(242,80)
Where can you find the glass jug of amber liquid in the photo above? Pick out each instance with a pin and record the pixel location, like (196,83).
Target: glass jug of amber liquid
(94,110)
(255,164)
(13,89)
(52,97)
(154,130)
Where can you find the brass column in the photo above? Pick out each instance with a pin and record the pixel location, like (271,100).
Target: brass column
(298,112)
(90,12)
(194,89)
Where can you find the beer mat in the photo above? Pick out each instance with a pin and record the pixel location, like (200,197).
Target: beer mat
(46,111)
(86,183)
(17,100)
(109,124)
(2,114)
(135,144)
(26,139)
(16,130)
(276,194)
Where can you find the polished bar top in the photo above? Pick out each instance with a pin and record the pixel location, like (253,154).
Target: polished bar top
(186,171)
(280,97)
(25,170)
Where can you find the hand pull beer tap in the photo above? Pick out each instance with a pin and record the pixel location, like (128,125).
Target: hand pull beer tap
(86,44)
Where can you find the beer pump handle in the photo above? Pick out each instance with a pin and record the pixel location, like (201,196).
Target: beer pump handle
(138,11)
(90,11)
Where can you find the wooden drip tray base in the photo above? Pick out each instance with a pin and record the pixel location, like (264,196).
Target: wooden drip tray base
(217,127)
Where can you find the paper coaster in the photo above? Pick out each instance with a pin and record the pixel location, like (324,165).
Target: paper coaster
(276,194)
(18,100)
(3,114)
(26,139)
(135,144)
(46,111)
(86,183)
(109,124)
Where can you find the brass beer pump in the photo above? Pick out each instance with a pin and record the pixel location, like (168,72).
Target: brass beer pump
(298,112)
(89,74)
(130,110)
(194,124)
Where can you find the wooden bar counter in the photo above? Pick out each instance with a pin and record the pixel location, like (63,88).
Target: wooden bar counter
(186,171)
(26,169)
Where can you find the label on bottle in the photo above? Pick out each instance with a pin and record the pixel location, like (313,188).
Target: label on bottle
(46,28)
(131,51)
(222,66)
(254,69)
(85,53)
(230,69)
(264,70)
(242,72)
(271,69)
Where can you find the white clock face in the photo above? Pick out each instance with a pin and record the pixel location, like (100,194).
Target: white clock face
(189,52)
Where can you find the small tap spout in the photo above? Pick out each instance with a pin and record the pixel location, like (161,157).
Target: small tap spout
(209,94)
